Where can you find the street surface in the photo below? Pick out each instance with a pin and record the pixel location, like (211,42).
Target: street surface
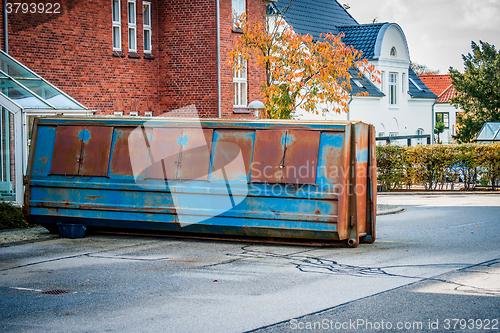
(435,267)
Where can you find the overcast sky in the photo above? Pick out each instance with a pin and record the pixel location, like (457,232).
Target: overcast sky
(438,32)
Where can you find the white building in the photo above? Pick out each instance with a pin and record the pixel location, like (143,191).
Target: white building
(401,105)
(443,110)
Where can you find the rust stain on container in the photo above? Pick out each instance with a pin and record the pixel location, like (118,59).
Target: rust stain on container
(228,144)
(95,151)
(164,153)
(67,151)
(268,156)
(195,157)
(301,157)
(81,150)
(124,153)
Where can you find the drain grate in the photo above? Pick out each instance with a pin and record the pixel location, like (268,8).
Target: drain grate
(54,292)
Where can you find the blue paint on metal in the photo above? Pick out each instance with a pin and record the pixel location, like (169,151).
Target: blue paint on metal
(42,159)
(255,209)
(84,135)
(182,140)
(362,155)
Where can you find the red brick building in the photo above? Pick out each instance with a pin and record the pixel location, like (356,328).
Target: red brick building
(137,56)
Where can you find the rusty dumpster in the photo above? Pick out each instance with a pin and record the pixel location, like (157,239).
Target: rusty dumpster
(287,181)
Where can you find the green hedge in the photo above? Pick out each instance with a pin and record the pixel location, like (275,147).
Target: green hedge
(438,166)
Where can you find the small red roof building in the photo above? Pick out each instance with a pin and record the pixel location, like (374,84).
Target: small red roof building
(440,85)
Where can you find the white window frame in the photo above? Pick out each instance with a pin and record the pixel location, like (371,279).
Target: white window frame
(382,76)
(393,88)
(132,26)
(240,85)
(146,7)
(116,25)
(420,131)
(239,7)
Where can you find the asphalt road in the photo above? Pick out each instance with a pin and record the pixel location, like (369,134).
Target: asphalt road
(434,267)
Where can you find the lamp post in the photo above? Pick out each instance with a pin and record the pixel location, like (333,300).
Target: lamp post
(256,106)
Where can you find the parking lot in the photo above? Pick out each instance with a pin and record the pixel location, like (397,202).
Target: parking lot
(437,260)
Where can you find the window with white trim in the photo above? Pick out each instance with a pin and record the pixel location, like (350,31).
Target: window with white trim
(393,51)
(117,25)
(239,7)
(420,131)
(443,117)
(132,27)
(146,23)
(393,88)
(382,78)
(240,84)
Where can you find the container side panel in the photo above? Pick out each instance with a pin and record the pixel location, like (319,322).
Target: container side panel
(96,150)
(344,176)
(268,156)
(42,160)
(301,157)
(137,151)
(164,153)
(361,189)
(228,144)
(123,154)
(102,199)
(296,209)
(330,159)
(67,150)
(195,157)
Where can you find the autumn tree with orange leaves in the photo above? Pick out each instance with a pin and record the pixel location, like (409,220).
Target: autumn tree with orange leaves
(301,73)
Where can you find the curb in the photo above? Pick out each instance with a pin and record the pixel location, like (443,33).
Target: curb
(390,211)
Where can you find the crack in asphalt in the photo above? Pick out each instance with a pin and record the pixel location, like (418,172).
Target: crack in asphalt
(311,264)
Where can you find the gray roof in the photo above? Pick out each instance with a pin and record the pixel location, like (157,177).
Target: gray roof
(417,88)
(363,37)
(314,17)
(367,85)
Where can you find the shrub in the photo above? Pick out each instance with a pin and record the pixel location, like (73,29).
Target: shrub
(11,216)
(440,166)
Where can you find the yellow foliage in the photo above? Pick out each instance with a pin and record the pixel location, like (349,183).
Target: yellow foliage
(300,72)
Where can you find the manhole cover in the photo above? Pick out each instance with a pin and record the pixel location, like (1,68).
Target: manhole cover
(54,292)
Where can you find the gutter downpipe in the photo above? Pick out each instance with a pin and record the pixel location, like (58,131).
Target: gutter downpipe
(432,122)
(219,98)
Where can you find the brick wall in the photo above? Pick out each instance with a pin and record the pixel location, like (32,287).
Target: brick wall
(255,75)
(73,50)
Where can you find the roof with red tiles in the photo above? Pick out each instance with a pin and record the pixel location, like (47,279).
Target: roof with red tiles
(440,85)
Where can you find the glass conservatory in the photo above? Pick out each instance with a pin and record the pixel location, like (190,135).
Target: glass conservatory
(489,133)
(24,95)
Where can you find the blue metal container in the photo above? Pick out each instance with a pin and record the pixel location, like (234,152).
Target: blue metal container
(247,179)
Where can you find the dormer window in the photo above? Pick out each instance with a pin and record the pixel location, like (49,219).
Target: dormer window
(393,52)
